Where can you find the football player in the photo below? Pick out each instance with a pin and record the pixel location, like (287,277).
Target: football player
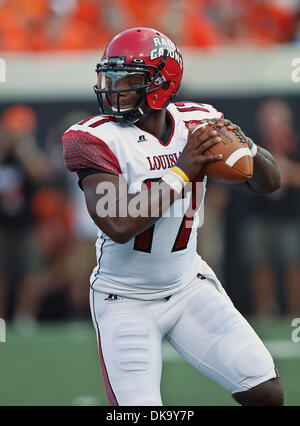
(142,152)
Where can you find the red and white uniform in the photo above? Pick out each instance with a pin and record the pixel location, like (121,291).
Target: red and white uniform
(198,319)
(163,259)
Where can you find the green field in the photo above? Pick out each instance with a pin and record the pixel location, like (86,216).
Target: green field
(58,365)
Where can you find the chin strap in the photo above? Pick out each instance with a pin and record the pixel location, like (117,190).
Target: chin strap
(130,117)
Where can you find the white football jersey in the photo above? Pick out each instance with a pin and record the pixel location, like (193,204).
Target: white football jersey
(163,259)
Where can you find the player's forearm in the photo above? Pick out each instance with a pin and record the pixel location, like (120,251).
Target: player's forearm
(131,214)
(266,176)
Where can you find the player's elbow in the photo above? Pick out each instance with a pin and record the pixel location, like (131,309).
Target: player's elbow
(113,228)
(277,181)
(120,234)
(274,182)
(120,238)
(270,183)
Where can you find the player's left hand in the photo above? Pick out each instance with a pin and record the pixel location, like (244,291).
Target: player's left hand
(221,122)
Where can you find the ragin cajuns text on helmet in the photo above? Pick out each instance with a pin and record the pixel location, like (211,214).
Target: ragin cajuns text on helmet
(139,51)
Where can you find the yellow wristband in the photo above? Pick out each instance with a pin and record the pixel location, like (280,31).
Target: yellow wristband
(180,173)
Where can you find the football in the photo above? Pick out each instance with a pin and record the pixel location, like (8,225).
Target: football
(237,162)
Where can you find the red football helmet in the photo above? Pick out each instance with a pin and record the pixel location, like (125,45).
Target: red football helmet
(139,51)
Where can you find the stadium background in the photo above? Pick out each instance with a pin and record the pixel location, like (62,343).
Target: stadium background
(238,56)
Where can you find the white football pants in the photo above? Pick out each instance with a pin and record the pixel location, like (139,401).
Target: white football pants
(200,322)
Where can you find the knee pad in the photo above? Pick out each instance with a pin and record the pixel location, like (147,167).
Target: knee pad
(132,346)
(242,352)
(253,360)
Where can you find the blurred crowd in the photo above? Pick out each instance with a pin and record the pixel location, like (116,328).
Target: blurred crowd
(47,242)
(39,25)
(47,239)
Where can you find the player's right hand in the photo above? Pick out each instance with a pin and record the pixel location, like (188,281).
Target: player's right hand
(192,159)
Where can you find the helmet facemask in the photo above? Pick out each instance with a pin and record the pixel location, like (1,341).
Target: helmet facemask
(112,70)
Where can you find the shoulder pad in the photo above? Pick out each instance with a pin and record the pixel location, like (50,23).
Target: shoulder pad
(83,150)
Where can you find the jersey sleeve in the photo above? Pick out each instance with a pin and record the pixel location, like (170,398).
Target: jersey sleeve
(194,112)
(213,112)
(83,151)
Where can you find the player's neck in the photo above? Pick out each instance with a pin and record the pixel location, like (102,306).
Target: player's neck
(154,123)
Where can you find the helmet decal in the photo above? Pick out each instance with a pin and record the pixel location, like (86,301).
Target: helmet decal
(160,44)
